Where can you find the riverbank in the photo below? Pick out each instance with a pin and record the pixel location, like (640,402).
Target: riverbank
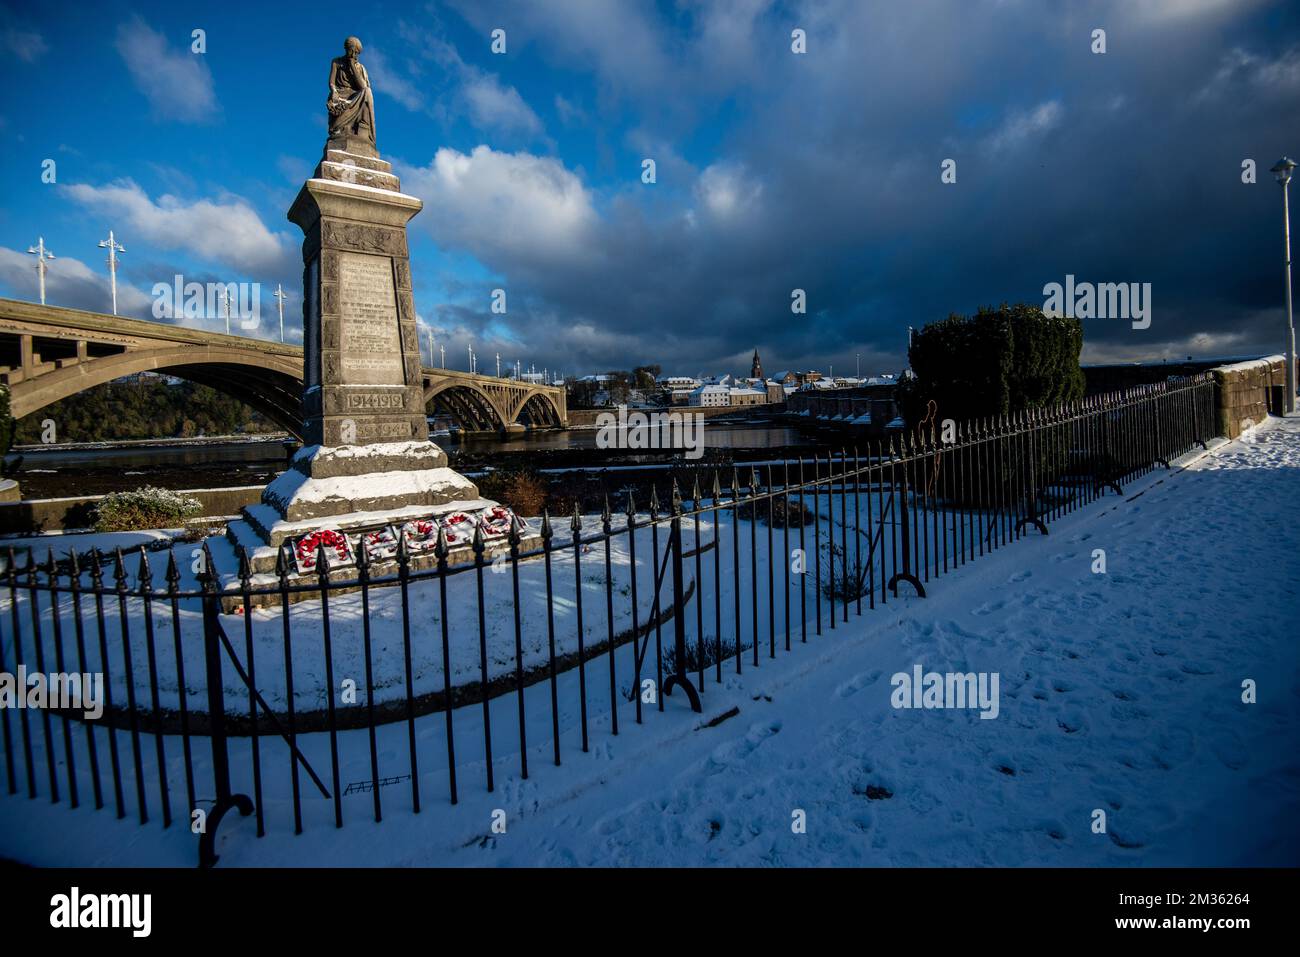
(85,470)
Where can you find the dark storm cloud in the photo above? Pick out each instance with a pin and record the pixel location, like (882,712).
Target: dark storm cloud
(1115,167)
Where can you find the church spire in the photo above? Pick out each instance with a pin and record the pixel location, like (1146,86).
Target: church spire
(756,370)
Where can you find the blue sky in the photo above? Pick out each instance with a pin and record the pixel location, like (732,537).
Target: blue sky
(775,171)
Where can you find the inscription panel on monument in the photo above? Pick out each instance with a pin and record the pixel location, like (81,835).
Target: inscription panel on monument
(370,346)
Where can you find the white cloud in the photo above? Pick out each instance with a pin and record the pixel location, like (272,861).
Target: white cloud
(490,104)
(495,106)
(1253,75)
(26,45)
(496,203)
(570,113)
(1022,126)
(70,283)
(1173,11)
(386,80)
(727,191)
(227,230)
(177,84)
(729,38)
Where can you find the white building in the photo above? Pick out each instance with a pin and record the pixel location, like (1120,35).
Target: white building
(710,395)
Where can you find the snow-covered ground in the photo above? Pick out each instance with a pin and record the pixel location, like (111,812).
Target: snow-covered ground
(385,615)
(1120,692)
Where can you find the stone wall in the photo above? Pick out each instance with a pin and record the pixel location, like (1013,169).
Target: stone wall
(1244,394)
(586,418)
(53,514)
(1116,376)
(843,405)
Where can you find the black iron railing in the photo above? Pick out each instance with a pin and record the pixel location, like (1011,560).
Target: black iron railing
(504,644)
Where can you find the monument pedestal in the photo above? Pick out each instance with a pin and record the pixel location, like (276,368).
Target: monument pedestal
(368,463)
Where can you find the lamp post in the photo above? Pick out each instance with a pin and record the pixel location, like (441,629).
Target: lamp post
(225,300)
(280,297)
(1283,173)
(43,257)
(113,247)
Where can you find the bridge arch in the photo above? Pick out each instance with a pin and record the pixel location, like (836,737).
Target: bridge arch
(539,410)
(486,404)
(270,384)
(468,402)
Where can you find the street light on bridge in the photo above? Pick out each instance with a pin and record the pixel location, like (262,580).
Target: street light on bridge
(280,296)
(1282,170)
(43,256)
(113,248)
(225,301)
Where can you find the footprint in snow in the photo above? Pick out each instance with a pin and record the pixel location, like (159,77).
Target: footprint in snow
(1070,721)
(856,684)
(1124,839)
(724,754)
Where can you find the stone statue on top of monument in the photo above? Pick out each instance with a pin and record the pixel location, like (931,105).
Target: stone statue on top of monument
(351,102)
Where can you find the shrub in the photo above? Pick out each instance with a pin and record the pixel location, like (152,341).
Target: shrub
(144,508)
(694,659)
(798,516)
(849,581)
(997,361)
(521,490)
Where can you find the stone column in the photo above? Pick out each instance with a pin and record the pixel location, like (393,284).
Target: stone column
(367,460)
(362,372)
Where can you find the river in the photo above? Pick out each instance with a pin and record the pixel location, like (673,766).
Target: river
(76,470)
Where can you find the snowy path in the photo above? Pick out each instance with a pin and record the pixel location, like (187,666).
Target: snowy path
(1119,691)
